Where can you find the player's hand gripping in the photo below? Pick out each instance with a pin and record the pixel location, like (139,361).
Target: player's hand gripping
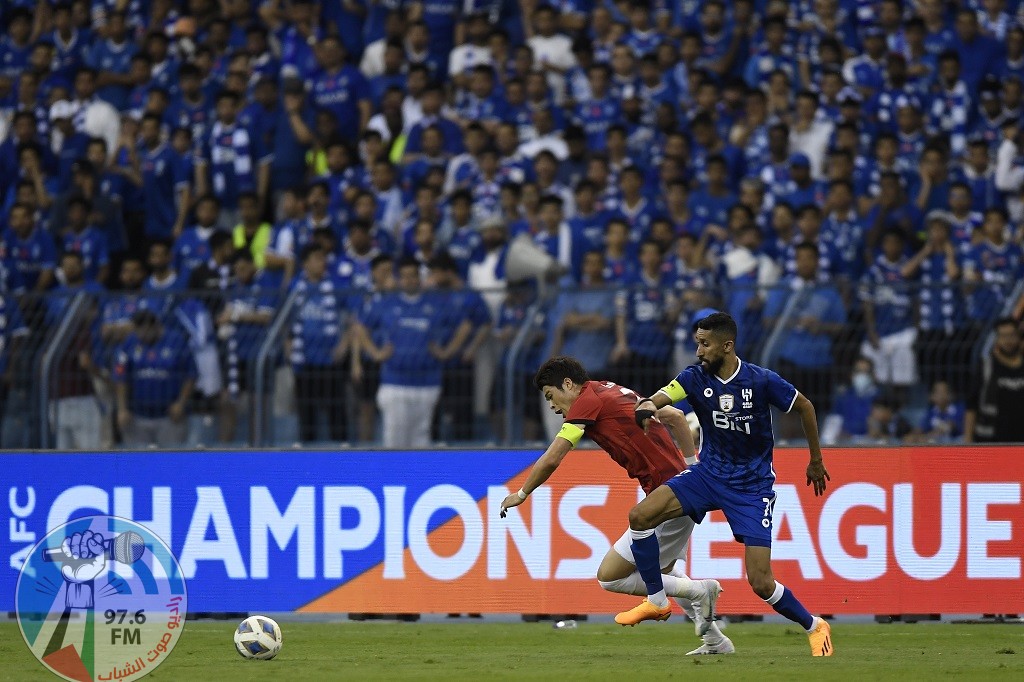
(817,474)
(643,414)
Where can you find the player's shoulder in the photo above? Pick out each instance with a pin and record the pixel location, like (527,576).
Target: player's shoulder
(749,372)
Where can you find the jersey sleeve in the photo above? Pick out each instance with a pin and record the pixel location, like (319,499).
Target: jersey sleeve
(781,393)
(678,388)
(585,410)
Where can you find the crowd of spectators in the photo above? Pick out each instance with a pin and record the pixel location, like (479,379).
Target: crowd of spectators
(853,168)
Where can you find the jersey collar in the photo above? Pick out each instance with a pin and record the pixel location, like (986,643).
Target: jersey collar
(739,364)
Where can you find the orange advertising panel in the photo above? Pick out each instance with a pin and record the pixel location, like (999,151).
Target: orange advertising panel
(900,530)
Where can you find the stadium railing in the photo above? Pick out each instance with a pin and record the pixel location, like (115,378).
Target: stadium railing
(502,404)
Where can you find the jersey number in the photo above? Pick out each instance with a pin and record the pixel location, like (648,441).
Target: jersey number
(623,390)
(722,421)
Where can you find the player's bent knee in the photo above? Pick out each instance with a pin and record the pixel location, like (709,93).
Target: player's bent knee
(640,519)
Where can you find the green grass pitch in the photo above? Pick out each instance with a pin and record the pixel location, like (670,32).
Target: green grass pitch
(478,651)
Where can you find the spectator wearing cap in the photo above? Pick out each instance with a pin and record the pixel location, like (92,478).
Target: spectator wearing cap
(808,134)
(153,376)
(802,190)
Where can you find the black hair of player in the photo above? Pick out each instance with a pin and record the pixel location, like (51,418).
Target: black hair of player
(721,324)
(556,370)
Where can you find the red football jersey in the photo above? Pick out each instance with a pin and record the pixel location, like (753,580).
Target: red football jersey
(605,411)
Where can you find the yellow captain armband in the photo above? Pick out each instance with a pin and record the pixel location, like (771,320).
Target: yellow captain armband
(674,391)
(571,432)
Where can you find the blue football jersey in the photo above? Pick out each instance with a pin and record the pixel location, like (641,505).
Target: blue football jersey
(736,421)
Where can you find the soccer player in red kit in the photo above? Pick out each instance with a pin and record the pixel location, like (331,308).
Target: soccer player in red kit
(604,411)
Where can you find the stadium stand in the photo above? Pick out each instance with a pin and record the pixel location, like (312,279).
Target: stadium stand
(282,221)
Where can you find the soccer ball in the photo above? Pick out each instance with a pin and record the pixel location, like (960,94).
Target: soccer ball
(258,638)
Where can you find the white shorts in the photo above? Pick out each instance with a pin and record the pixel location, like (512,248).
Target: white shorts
(672,537)
(894,360)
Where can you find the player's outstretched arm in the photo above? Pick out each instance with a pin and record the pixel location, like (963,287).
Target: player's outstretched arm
(541,471)
(675,421)
(817,475)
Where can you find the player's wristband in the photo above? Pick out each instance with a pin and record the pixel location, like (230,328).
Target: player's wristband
(522,495)
(642,416)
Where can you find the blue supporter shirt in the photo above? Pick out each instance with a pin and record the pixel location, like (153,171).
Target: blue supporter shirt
(1000,268)
(892,295)
(948,420)
(191,250)
(820,301)
(939,297)
(163,175)
(411,324)
(13,58)
(30,256)
(155,374)
(91,243)
(340,94)
(198,118)
(108,56)
(645,304)
(590,347)
(736,422)
(317,321)
(229,158)
(596,117)
(259,296)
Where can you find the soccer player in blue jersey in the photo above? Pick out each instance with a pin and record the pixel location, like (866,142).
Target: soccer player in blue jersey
(732,400)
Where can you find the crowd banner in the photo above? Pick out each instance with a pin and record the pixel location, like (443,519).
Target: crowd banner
(900,530)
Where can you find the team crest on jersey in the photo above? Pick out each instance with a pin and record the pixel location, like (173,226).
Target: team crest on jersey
(748,398)
(726,402)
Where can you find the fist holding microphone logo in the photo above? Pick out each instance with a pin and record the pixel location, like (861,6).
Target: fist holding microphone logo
(101,598)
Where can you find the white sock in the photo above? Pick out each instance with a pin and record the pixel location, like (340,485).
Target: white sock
(659,599)
(714,636)
(631,584)
(682,587)
(814,625)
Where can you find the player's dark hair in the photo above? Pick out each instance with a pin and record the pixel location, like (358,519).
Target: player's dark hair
(719,323)
(556,370)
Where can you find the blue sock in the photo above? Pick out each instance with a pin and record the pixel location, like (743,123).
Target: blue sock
(784,603)
(646,554)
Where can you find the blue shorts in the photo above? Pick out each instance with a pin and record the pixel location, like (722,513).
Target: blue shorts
(749,514)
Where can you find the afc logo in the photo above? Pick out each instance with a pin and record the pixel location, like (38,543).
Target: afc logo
(748,398)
